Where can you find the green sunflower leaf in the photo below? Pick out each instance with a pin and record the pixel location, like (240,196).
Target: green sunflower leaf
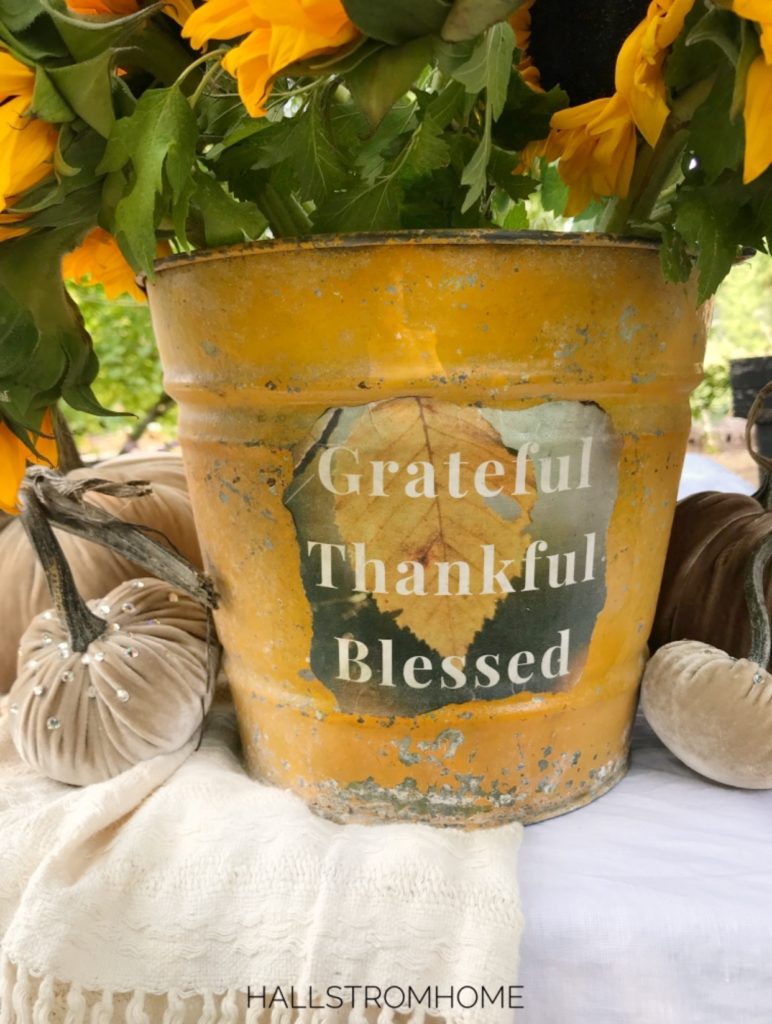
(527,114)
(44,347)
(318,165)
(708,224)
(157,142)
(87,89)
(717,27)
(429,151)
(369,208)
(19,14)
(715,139)
(447,105)
(378,82)
(227,220)
(501,171)
(490,67)
(387,140)
(674,257)
(470,18)
(516,218)
(48,103)
(398,20)
(87,37)
(554,191)
(475,174)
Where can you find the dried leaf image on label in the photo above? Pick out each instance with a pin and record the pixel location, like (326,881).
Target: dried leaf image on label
(431,517)
(452,553)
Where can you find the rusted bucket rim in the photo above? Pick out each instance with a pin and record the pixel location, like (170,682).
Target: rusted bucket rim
(451,236)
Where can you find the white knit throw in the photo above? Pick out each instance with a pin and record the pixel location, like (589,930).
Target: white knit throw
(182,892)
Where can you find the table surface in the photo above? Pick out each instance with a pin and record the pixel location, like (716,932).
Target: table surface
(653,904)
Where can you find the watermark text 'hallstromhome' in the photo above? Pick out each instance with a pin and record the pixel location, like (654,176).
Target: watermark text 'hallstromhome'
(393,997)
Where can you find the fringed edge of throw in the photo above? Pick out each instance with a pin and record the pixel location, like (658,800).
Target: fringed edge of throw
(28,998)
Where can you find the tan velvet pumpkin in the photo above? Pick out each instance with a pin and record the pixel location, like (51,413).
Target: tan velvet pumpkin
(712,710)
(138,690)
(96,570)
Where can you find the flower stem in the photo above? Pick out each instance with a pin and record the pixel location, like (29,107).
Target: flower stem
(286,217)
(208,74)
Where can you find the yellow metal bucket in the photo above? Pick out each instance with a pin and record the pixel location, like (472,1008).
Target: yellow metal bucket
(433,477)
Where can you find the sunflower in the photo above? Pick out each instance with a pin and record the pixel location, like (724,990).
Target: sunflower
(595,142)
(99,259)
(276,37)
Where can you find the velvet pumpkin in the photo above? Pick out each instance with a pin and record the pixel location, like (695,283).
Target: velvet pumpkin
(713,538)
(141,688)
(103,686)
(96,569)
(701,597)
(712,710)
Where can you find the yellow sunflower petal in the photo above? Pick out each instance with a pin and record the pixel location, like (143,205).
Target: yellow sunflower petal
(11,226)
(26,149)
(45,443)
(12,466)
(180,10)
(249,65)
(14,456)
(614,153)
(219,19)
(16,79)
(638,74)
(758,122)
(578,117)
(595,144)
(289,45)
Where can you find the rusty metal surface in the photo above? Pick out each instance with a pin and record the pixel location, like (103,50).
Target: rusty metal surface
(548,380)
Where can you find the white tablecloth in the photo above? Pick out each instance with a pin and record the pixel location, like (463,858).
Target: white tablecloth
(651,906)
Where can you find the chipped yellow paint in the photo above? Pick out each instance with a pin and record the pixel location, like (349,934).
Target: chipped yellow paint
(258,342)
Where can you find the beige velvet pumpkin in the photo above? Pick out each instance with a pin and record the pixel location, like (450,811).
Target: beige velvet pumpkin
(713,711)
(139,690)
(96,570)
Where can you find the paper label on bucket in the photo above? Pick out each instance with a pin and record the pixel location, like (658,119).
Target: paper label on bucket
(452,553)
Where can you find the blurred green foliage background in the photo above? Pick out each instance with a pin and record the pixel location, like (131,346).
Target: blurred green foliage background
(742,326)
(130,375)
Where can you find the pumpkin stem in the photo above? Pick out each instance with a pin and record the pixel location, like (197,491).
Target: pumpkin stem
(63,504)
(82,625)
(756,599)
(764,494)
